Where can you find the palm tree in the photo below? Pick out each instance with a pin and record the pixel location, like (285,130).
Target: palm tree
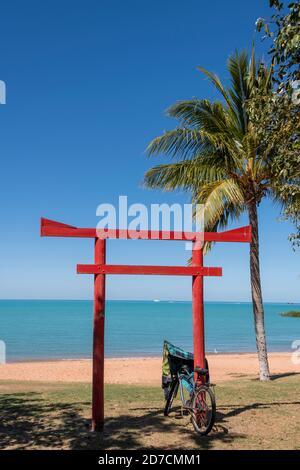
(220,161)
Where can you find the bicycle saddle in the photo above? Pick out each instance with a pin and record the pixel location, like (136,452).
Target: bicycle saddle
(201,371)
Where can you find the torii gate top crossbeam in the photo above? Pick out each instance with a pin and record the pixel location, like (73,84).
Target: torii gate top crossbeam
(51,228)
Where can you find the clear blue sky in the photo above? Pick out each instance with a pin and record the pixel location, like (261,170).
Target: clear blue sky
(87,86)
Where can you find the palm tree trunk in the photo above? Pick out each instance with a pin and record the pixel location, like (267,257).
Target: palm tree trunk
(258,309)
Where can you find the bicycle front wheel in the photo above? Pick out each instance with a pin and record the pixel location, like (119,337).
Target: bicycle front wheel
(203,410)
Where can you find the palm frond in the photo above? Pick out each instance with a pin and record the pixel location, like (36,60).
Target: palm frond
(209,118)
(239,91)
(220,198)
(215,80)
(184,175)
(180,142)
(223,202)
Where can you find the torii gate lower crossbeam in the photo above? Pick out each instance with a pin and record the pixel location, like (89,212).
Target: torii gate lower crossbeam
(100,269)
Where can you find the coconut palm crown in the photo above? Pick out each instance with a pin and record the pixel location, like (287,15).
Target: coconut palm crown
(219,160)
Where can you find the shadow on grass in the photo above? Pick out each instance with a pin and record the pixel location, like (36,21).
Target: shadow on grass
(152,422)
(28,421)
(283,375)
(235,410)
(274,377)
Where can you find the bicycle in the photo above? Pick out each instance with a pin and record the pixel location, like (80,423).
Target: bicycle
(197,398)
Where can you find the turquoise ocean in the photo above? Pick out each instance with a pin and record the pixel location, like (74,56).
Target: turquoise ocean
(42,329)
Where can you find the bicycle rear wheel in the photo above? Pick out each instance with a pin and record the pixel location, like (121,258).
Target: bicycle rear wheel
(204,410)
(171,396)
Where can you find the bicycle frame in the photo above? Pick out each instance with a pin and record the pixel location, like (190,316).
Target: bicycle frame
(189,377)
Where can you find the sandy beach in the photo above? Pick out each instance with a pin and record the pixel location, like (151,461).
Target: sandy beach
(142,370)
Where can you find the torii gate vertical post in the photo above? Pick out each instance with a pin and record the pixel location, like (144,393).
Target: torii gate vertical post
(98,339)
(198,309)
(100,269)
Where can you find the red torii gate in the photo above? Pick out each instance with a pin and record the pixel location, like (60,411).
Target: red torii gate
(100,269)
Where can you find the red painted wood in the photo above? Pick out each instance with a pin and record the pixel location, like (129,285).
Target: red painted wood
(149,270)
(52,231)
(54,223)
(51,228)
(241,234)
(98,340)
(198,312)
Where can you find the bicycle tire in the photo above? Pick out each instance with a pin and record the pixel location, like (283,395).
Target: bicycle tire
(212,417)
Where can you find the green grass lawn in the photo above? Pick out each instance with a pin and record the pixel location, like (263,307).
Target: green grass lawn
(251,415)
